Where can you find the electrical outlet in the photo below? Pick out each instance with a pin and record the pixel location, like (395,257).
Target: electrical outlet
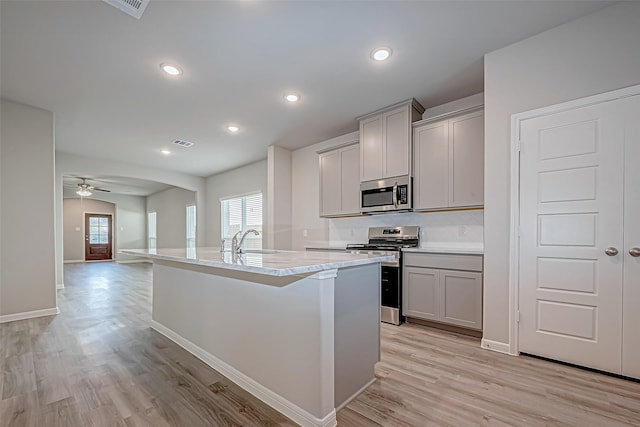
(304,233)
(462,231)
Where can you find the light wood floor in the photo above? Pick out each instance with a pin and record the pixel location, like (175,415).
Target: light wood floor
(99,364)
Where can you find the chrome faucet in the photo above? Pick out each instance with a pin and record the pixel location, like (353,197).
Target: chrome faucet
(236,247)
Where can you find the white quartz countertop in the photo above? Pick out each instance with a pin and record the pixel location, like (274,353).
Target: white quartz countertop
(447,250)
(273,263)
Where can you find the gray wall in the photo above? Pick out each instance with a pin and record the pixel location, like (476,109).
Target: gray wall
(27,246)
(74,226)
(278,205)
(69,164)
(594,54)
(171,220)
(129,223)
(305,194)
(246,179)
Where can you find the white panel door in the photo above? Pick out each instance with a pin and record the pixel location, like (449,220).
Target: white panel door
(571,211)
(631,290)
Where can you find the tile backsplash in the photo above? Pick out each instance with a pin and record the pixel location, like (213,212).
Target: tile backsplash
(437,229)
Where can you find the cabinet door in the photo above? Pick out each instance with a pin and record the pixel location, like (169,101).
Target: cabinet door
(631,285)
(466,157)
(350,179)
(461,298)
(330,192)
(371,148)
(431,157)
(396,141)
(420,293)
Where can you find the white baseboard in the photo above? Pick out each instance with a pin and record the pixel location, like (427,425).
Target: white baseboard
(29,315)
(354,395)
(59,285)
(500,347)
(73,261)
(272,399)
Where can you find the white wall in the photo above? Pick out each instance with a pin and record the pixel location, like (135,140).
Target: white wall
(459,229)
(279,200)
(27,217)
(246,179)
(171,217)
(129,223)
(594,54)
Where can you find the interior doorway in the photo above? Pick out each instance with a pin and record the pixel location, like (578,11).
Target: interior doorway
(98,239)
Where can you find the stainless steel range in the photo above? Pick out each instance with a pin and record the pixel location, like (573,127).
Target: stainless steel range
(391,239)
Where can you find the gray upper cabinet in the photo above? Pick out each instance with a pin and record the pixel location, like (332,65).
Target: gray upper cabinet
(371,149)
(385,141)
(449,162)
(339,181)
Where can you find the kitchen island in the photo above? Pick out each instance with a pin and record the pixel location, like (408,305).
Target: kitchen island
(299,330)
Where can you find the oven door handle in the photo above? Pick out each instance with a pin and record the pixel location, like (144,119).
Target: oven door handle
(395,195)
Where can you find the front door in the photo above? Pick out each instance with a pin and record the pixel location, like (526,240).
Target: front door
(571,235)
(97,239)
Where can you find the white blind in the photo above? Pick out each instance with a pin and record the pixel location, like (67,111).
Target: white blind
(242,213)
(191,226)
(151,230)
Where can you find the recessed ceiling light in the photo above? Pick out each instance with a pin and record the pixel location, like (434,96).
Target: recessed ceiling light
(233,128)
(292,97)
(381,53)
(165,152)
(171,69)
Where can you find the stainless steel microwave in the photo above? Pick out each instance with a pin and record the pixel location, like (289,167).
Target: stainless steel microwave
(385,195)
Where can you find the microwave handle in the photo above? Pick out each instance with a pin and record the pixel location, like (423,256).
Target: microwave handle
(395,195)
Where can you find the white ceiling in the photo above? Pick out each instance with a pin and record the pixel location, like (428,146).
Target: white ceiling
(115,185)
(98,69)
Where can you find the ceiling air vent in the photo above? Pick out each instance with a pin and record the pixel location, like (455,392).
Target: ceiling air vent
(133,8)
(183,143)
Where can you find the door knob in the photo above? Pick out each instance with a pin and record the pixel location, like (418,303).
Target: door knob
(611,251)
(634,252)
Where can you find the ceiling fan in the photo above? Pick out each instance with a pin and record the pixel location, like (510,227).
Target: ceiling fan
(85,189)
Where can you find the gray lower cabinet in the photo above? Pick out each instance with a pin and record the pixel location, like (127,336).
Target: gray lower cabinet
(444,288)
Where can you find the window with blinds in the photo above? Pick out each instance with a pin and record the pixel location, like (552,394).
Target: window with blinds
(243,213)
(191,226)
(151,230)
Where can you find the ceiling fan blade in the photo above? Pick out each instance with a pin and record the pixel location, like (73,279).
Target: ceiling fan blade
(101,189)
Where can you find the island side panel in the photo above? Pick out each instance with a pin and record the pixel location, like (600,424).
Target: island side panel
(357,334)
(277,336)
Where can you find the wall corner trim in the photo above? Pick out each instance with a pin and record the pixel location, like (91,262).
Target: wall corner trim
(279,403)
(29,315)
(500,347)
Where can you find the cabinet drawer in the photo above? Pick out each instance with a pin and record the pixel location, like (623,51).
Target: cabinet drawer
(444,261)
